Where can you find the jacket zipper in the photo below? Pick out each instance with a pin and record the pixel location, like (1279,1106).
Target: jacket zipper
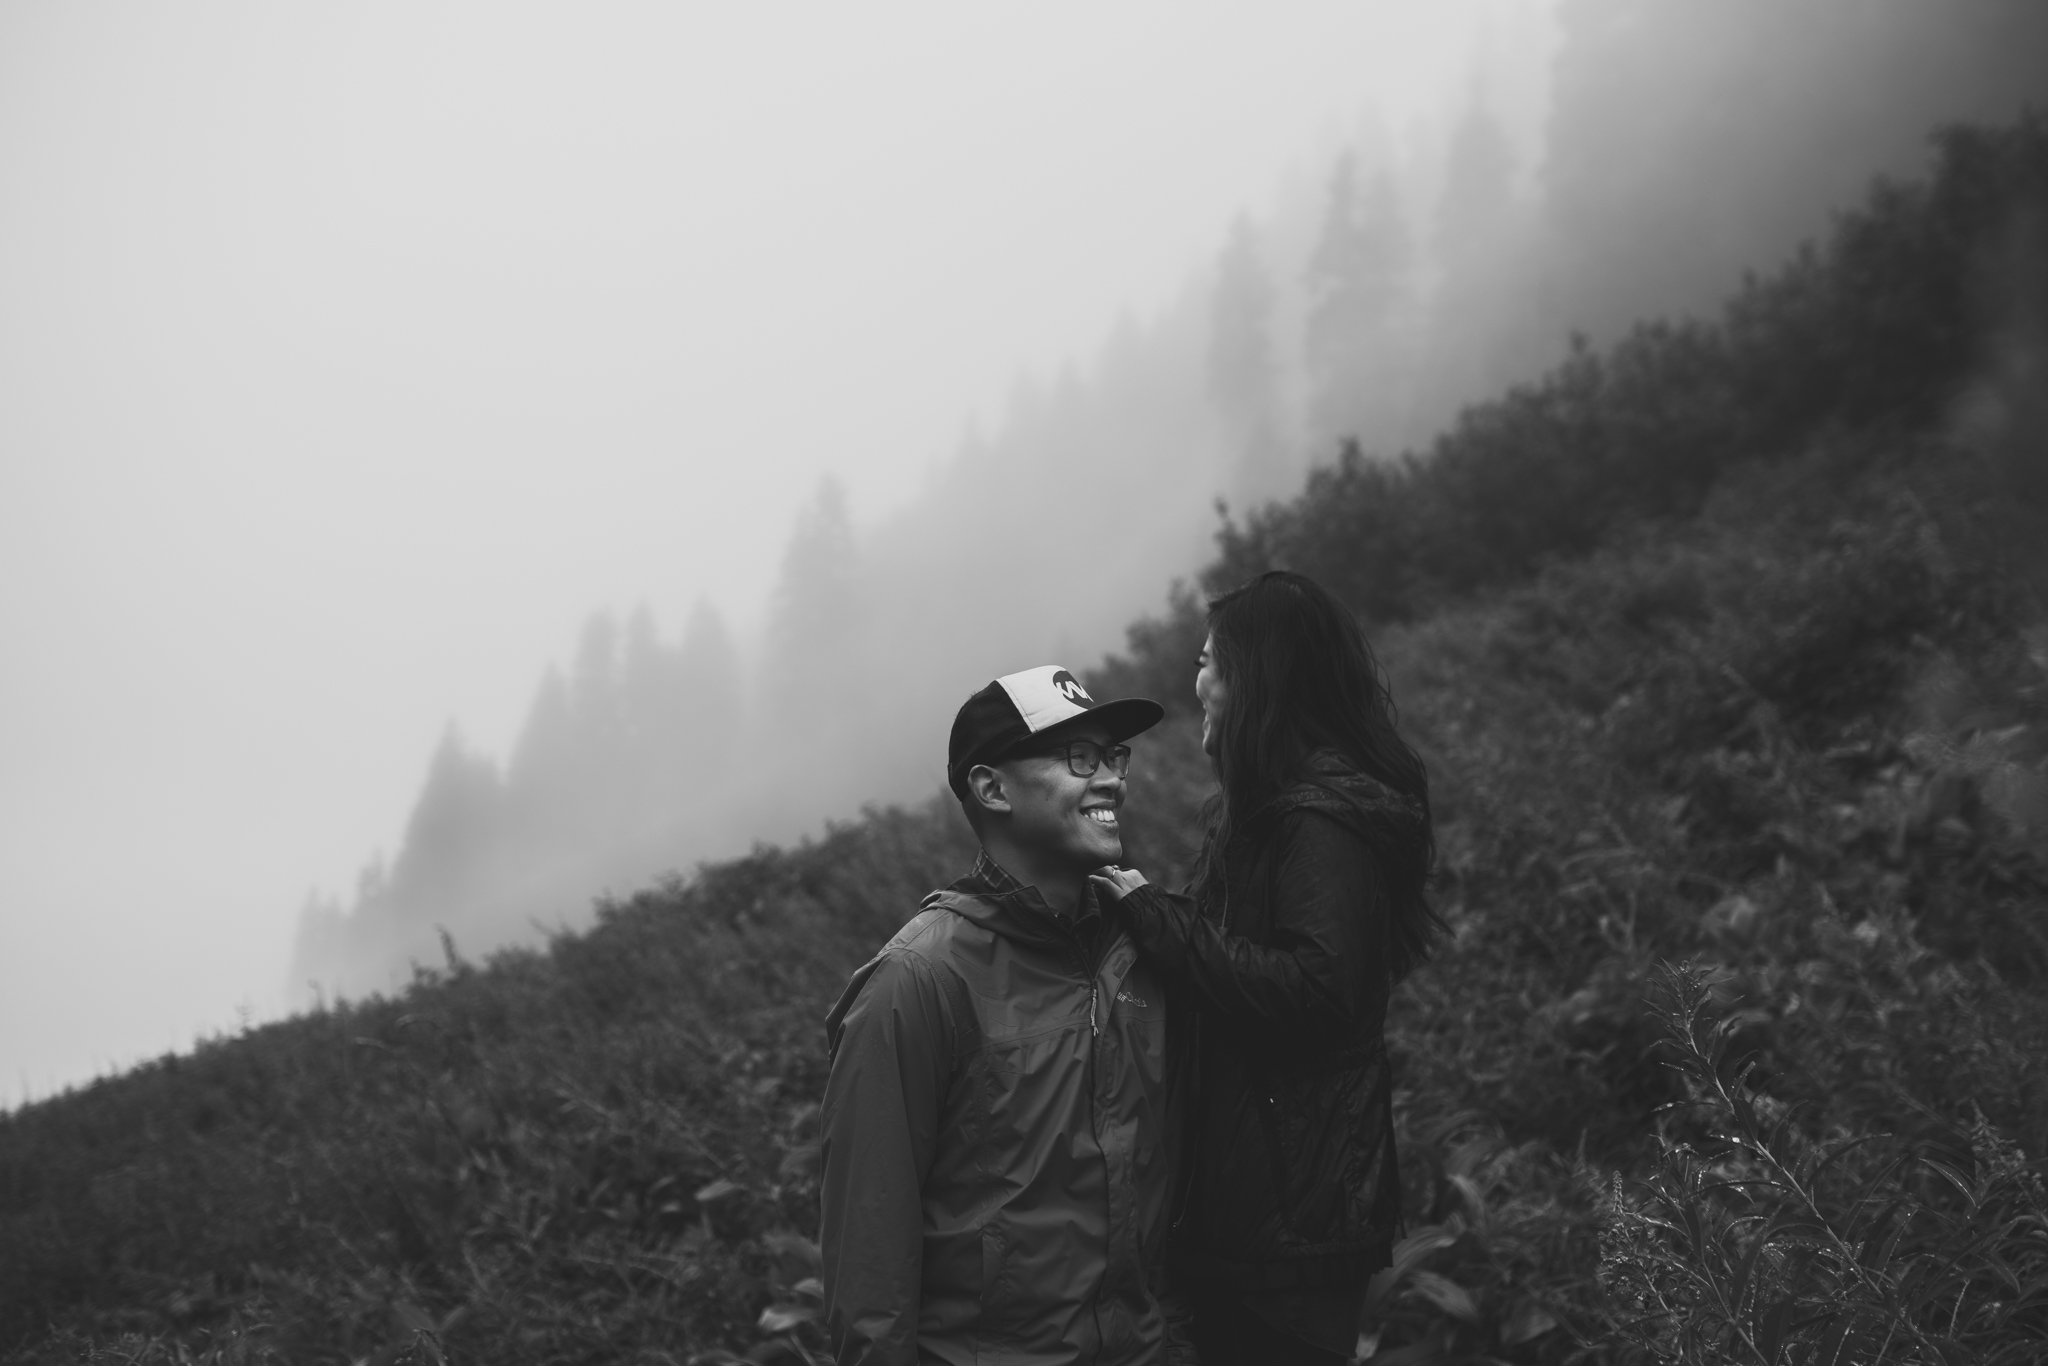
(1094,970)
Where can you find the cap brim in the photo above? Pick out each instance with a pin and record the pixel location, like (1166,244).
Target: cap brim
(1125,717)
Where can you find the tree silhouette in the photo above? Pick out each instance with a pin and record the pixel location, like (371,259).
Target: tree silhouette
(1360,288)
(1243,373)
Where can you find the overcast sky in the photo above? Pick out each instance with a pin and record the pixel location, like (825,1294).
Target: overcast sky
(351,354)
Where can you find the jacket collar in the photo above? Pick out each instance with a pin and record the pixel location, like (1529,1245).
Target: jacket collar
(991,897)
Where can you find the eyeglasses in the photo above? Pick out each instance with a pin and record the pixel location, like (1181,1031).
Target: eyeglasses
(1085,757)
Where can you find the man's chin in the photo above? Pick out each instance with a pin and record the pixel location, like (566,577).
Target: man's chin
(1096,853)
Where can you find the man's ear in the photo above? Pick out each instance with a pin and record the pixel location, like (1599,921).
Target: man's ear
(985,786)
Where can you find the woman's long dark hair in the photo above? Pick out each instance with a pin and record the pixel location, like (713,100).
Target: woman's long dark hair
(1302,678)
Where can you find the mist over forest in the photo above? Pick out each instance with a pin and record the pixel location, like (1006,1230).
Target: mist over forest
(1410,271)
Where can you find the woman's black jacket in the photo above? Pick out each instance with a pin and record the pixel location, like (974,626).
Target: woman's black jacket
(1292,1182)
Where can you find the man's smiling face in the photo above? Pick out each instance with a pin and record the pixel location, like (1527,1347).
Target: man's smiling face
(1061,817)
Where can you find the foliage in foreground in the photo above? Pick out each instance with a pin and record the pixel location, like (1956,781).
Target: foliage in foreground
(1770,1245)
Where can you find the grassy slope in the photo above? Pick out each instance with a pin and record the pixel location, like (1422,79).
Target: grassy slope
(1787,724)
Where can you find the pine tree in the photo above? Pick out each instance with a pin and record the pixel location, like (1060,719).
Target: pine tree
(1244,380)
(815,664)
(1360,303)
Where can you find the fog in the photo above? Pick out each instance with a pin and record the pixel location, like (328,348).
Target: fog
(455,462)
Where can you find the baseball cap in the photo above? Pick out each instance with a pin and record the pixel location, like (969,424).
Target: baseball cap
(1029,705)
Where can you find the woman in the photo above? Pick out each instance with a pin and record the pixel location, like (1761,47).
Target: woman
(1307,907)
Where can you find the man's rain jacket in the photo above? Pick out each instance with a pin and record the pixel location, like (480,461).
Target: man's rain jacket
(996,1172)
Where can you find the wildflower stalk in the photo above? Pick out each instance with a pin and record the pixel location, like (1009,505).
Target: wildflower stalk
(1762,1264)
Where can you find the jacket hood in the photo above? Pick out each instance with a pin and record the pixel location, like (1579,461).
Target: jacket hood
(1336,787)
(1019,914)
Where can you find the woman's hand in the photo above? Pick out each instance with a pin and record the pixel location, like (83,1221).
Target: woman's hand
(1116,883)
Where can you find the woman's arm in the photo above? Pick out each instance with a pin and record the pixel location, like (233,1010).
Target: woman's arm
(1324,971)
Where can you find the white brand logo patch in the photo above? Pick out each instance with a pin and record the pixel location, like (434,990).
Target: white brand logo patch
(1137,1001)
(1046,696)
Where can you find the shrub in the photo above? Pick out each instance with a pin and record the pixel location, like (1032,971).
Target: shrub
(1882,328)
(1772,1243)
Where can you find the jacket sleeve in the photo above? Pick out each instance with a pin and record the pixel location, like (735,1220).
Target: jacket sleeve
(1322,975)
(878,1126)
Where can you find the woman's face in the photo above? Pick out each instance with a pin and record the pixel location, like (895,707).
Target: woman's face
(1214,695)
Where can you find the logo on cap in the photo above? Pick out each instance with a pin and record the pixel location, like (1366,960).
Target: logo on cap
(1046,696)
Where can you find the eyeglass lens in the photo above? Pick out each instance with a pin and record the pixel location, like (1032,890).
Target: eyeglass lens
(1085,756)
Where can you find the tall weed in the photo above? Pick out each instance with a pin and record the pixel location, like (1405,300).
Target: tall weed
(1771,1243)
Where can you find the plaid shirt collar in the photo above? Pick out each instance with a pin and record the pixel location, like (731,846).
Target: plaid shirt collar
(993,876)
(993,879)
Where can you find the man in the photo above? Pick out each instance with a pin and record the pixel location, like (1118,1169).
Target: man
(996,1175)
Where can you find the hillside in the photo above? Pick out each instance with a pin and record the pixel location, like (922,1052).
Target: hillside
(1389,282)
(1724,644)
